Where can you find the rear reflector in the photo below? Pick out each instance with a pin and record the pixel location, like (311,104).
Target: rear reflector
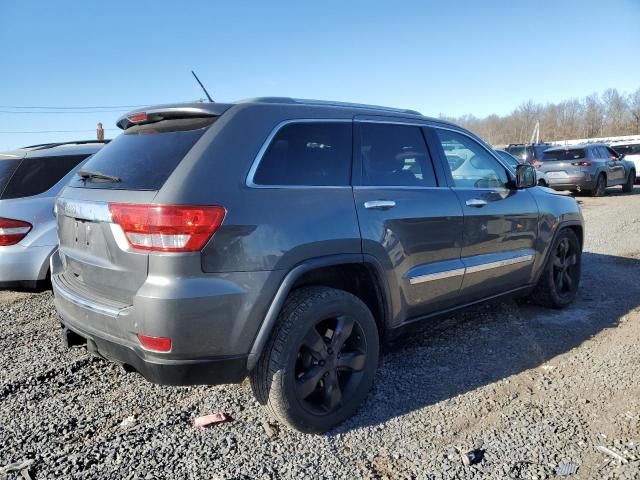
(157,344)
(167,228)
(12,231)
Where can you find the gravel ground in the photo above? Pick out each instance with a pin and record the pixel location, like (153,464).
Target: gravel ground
(529,388)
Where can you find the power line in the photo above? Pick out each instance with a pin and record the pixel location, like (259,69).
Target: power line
(70,108)
(66,112)
(59,131)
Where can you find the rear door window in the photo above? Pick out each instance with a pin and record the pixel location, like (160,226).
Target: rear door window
(144,156)
(7,167)
(308,154)
(38,174)
(395,155)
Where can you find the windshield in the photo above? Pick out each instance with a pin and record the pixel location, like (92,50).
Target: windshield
(7,167)
(564,155)
(510,159)
(144,156)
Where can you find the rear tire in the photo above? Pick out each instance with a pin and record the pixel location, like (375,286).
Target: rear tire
(560,279)
(631,180)
(320,361)
(601,186)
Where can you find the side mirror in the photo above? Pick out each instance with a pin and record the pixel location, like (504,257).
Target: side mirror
(525,176)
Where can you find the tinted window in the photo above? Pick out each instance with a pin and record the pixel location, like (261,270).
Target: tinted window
(37,175)
(564,155)
(308,153)
(395,155)
(633,149)
(7,167)
(539,149)
(144,156)
(521,152)
(471,165)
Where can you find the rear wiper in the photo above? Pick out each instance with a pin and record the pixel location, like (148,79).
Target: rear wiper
(88,175)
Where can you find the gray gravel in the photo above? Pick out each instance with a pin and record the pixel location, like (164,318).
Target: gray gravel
(528,388)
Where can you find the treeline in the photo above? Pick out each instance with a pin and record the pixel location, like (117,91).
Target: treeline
(611,113)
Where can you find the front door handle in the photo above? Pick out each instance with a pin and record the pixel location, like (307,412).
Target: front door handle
(476,202)
(380,204)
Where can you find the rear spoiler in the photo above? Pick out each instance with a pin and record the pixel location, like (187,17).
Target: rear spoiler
(156,114)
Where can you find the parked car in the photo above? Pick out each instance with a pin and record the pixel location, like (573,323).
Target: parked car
(541,178)
(30,179)
(530,153)
(210,242)
(630,152)
(587,167)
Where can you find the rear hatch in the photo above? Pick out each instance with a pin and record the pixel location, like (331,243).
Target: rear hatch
(99,260)
(563,164)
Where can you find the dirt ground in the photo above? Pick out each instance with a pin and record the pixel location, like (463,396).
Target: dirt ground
(529,389)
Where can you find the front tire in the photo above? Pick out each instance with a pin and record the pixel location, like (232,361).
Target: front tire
(601,186)
(559,281)
(631,180)
(320,361)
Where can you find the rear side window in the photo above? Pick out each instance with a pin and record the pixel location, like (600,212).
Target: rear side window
(395,155)
(37,175)
(308,154)
(144,156)
(564,155)
(7,167)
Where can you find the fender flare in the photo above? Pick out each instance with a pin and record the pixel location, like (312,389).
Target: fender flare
(289,280)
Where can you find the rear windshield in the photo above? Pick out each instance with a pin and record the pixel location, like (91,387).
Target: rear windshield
(7,167)
(560,155)
(144,156)
(539,149)
(627,149)
(521,152)
(38,174)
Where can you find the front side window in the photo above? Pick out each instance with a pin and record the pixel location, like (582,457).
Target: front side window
(308,154)
(37,175)
(470,164)
(395,155)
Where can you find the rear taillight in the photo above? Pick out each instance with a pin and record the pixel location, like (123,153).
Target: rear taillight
(157,344)
(581,164)
(12,231)
(167,228)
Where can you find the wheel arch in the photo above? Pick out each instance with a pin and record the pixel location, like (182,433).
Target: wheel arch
(354,273)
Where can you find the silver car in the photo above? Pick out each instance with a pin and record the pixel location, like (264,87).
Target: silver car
(590,168)
(30,179)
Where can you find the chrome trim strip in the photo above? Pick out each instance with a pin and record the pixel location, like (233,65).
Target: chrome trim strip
(263,149)
(84,210)
(476,268)
(436,276)
(500,263)
(81,302)
(382,204)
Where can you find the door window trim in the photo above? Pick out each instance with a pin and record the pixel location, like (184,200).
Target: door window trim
(249,182)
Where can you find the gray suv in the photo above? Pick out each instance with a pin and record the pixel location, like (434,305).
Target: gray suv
(281,239)
(589,168)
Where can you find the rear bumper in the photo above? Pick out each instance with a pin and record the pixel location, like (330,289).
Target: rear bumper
(19,264)
(211,333)
(571,183)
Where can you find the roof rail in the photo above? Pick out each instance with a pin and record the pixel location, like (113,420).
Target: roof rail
(43,146)
(328,103)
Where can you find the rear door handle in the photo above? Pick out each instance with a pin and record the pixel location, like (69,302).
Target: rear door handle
(476,202)
(380,204)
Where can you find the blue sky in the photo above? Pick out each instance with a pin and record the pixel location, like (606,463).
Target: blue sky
(452,57)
